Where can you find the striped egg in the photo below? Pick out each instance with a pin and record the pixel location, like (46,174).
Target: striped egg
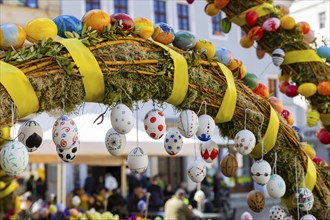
(11,35)
(312,118)
(278,56)
(67,23)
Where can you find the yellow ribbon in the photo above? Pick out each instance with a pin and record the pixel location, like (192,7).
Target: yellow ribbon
(269,137)
(310,177)
(11,188)
(88,68)
(181,78)
(227,108)
(261,10)
(301,56)
(19,88)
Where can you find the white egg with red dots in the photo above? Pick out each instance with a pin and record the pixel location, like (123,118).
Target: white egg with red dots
(155,124)
(173,142)
(122,119)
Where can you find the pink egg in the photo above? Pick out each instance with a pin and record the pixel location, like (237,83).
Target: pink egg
(271,24)
(310,37)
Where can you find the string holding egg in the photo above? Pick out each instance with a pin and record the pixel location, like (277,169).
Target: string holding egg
(206,127)
(305,199)
(11,35)
(64,132)
(245,142)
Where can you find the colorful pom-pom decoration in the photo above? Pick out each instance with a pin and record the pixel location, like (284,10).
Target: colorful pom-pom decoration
(11,35)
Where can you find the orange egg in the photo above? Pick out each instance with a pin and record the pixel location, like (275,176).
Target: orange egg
(276,103)
(211,9)
(97,19)
(256,33)
(323,88)
(261,90)
(290,120)
(283,85)
(246,42)
(304,27)
(221,3)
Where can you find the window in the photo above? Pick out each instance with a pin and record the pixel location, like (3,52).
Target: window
(216,29)
(92,4)
(322,19)
(120,6)
(160,11)
(272,87)
(1,1)
(183,16)
(27,3)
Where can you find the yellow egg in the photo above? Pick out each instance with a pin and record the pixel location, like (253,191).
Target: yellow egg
(39,29)
(309,150)
(4,134)
(312,118)
(97,19)
(307,89)
(206,47)
(246,42)
(2,185)
(211,9)
(287,22)
(143,27)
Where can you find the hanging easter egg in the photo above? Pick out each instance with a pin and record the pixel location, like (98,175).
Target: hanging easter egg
(163,33)
(287,22)
(143,27)
(206,128)
(173,142)
(68,155)
(225,25)
(256,33)
(261,171)
(224,56)
(40,29)
(271,24)
(312,118)
(305,199)
(278,56)
(256,201)
(323,136)
(190,1)
(307,89)
(67,23)
(184,40)
(14,158)
(96,19)
(245,141)
(11,35)
(291,90)
(308,149)
(323,51)
(65,132)
(197,171)
(187,123)
(309,37)
(30,134)
(137,161)
(276,186)
(261,90)
(304,27)
(209,151)
(246,42)
(283,85)
(260,52)
(229,165)
(221,3)
(308,217)
(125,22)
(211,9)
(276,103)
(277,212)
(323,88)
(154,124)
(122,119)
(251,17)
(251,81)
(115,142)
(290,120)
(206,47)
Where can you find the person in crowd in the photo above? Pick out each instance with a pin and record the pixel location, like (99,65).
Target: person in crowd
(133,182)
(168,192)
(203,204)
(176,209)
(89,185)
(40,188)
(100,199)
(138,194)
(161,182)
(156,200)
(184,186)
(31,186)
(116,203)
(110,182)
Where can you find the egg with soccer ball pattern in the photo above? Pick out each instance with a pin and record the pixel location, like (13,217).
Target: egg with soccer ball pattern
(276,186)
(30,134)
(188,123)
(277,213)
(155,124)
(261,171)
(209,151)
(305,199)
(173,142)
(115,142)
(65,132)
(206,128)
(68,155)
(137,160)
(197,171)
(122,119)
(245,142)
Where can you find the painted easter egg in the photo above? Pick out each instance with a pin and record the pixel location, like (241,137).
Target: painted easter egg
(221,3)
(283,85)
(188,123)
(323,52)
(305,199)
(260,52)
(271,24)
(96,19)
(244,141)
(261,171)
(277,212)
(288,22)
(225,25)
(143,27)
(291,90)
(154,124)
(125,22)
(184,40)
(67,23)
(276,103)
(197,171)
(251,17)
(224,56)
(39,29)
(246,42)
(163,33)
(115,142)
(276,186)
(256,201)
(320,161)
(323,88)
(190,1)
(309,37)
(211,9)
(137,161)
(229,165)
(30,134)
(122,119)
(308,149)
(240,71)
(11,35)
(278,56)
(304,27)
(234,65)
(307,89)
(251,81)
(65,132)
(68,155)
(173,142)
(308,217)
(261,90)
(323,136)
(206,47)
(209,151)
(256,33)
(14,158)
(312,118)
(206,128)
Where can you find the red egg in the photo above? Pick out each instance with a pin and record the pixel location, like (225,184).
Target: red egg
(256,33)
(276,104)
(251,17)
(323,136)
(304,27)
(261,90)
(285,113)
(291,90)
(282,86)
(318,161)
(125,20)
(190,1)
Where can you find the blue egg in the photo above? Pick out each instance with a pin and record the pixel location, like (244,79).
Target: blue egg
(224,56)
(324,52)
(67,23)
(184,40)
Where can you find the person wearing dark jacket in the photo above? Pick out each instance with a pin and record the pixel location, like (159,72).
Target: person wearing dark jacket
(156,200)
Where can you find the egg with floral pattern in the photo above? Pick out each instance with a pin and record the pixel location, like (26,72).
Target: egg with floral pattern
(305,199)
(155,124)
(65,132)
(173,142)
(245,142)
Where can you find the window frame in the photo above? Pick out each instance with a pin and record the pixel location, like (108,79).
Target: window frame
(118,7)
(157,11)
(272,86)
(322,19)
(215,22)
(91,4)
(183,16)
(28,2)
